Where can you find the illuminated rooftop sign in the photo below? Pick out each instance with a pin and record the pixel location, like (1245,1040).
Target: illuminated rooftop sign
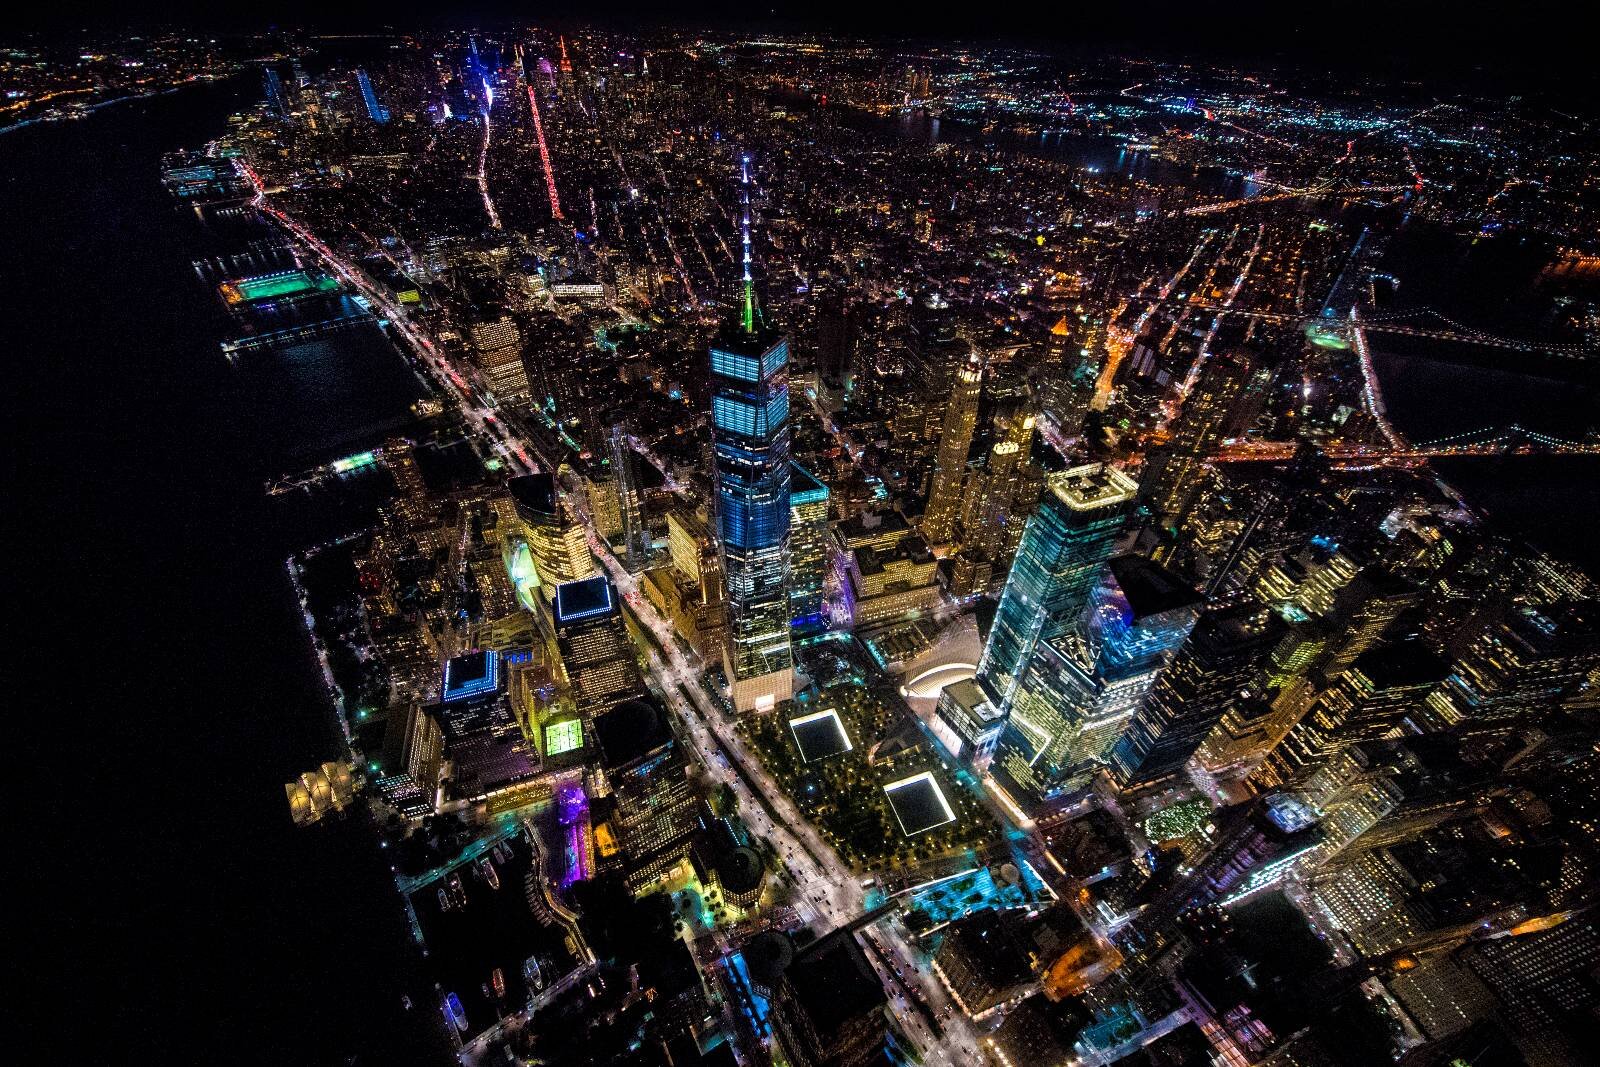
(560,737)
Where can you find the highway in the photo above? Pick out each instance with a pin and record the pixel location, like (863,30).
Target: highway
(468,397)
(483,173)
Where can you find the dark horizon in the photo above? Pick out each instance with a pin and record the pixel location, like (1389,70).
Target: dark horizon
(1454,42)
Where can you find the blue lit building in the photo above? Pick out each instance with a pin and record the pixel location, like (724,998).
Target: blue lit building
(808,547)
(1082,686)
(375,111)
(276,101)
(1063,545)
(750,444)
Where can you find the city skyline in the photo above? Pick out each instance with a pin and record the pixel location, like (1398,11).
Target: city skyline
(808,536)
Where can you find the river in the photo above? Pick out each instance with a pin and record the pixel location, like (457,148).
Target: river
(169,909)
(1494,284)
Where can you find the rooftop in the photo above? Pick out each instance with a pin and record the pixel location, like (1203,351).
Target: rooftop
(584,598)
(631,731)
(471,674)
(1092,486)
(833,983)
(536,493)
(1151,589)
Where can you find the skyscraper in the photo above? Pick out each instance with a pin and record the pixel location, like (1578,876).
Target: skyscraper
(1063,546)
(750,444)
(623,469)
(994,505)
(599,659)
(1221,658)
(651,815)
(557,547)
(1173,475)
(808,546)
(955,438)
(375,111)
(1081,686)
(1537,657)
(829,1007)
(499,349)
(1363,704)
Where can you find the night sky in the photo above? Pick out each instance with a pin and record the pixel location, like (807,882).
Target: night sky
(1429,40)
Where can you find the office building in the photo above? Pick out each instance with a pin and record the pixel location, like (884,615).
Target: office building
(599,659)
(1174,474)
(1538,657)
(1366,702)
(750,442)
(967,723)
(1082,686)
(650,819)
(955,439)
(1216,667)
(557,548)
(829,1007)
(809,555)
(1063,546)
(624,471)
(889,570)
(498,347)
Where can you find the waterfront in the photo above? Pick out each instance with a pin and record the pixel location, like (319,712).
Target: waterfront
(156,571)
(1495,285)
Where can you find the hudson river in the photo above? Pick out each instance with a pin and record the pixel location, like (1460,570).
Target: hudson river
(168,686)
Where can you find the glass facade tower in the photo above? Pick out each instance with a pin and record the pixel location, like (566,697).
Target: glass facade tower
(1063,546)
(1081,686)
(750,440)
(808,547)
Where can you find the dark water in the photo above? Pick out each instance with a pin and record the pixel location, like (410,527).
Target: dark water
(169,909)
(1493,285)
(1098,153)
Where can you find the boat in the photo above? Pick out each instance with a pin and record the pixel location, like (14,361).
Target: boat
(489,873)
(483,987)
(444,901)
(455,1012)
(498,980)
(532,974)
(405,1000)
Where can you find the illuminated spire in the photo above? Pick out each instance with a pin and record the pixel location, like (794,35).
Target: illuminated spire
(748,314)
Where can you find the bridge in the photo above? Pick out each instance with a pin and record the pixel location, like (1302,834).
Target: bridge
(1390,322)
(1510,440)
(1293,194)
